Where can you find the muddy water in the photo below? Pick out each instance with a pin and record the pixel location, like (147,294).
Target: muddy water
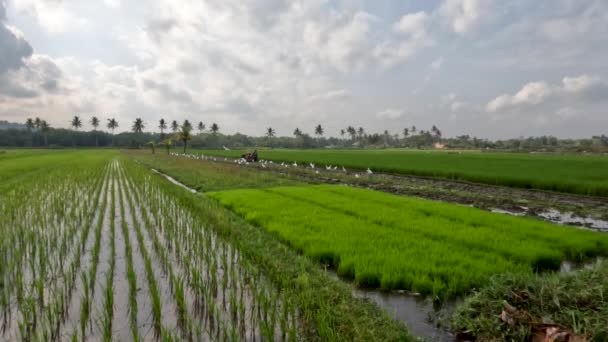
(556,216)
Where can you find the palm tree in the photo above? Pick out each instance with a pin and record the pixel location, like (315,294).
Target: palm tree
(151,144)
(413,130)
(270,132)
(37,122)
(361,132)
(297,133)
(163,126)
(167,143)
(436,132)
(174,126)
(201,127)
(29,124)
(138,126)
(342,132)
(95,124)
(319,130)
(45,128)
(184,134)
(352,132)
(76,124)
(112,125)
(215,128)
(406,132)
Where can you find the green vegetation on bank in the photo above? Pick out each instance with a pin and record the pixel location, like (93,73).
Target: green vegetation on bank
(576,301)
(205,176)
(578,174)
(404,243)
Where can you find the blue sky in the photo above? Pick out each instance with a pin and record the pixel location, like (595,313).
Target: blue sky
(488,68)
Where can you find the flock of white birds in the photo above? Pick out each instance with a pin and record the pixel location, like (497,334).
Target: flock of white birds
(263,163)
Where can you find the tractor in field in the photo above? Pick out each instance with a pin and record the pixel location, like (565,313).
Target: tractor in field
(251,157)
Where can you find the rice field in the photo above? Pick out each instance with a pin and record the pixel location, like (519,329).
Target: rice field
(96,250)
(393,242)
(580,174)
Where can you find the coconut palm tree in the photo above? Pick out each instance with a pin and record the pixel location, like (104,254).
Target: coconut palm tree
(29,124)
(342,132)
(270,132)
(45,128)
(297,133)
(413,130)
(406,132)
(174,126)
(361,132)
(184,134)
(37,122)
(201,127)
(163,126)
(319,130)
(215,128)
(76,124)
(112,125)
(138,126)
(352,132)
(95,124)
(168,143)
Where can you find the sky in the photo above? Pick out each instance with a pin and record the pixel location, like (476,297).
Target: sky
(489,68)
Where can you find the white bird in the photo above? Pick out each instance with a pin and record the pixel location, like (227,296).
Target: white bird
(335,167)
(356,175)
(263,165)
(295,164)
(328,167)
(282,164)
(369,172)
(343,169)
(317,171)
(312,166)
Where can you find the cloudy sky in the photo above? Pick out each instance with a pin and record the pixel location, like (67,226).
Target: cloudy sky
(489,68)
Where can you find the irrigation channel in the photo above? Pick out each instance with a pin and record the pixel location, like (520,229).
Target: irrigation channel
(107,255)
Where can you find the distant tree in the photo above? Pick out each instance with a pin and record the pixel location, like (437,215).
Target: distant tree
(297,133)
(29,124)
(112,125)
(215,128)
(95,124)
(436,132)
(406,132)
(413,130)
(184,134)
(167,143)
(342,132)
(187,124)
(45,128)
(201,127)
(152,145)
(352,132)
(162,125)
(37,123)
(76,124)
(138,126)
(270,132)
(319,130)
(174,126)
(386,137)
(361,132)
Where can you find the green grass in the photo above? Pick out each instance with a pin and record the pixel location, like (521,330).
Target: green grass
(575,300)
(565,173)
(395,242)
(207,176)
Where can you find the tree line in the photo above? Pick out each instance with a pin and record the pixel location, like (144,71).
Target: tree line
(36,132)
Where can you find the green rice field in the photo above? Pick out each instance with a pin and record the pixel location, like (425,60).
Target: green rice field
(578,174)
(393,242)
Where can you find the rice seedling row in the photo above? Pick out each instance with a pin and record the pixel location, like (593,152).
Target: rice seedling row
(394,242)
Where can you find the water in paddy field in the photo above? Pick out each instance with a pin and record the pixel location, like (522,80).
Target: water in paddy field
(564,218)
(411,310)
(174,181)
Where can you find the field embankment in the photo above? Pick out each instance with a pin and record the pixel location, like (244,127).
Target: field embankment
(580,174)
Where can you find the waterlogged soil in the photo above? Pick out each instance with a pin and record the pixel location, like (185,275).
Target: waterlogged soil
(561,208)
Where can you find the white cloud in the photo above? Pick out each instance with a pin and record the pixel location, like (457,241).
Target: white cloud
(463,15)
(534,93)
(436,64)
(390,114)
(52,16)
(112,3)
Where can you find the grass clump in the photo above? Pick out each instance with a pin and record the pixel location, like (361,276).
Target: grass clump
(575,301)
